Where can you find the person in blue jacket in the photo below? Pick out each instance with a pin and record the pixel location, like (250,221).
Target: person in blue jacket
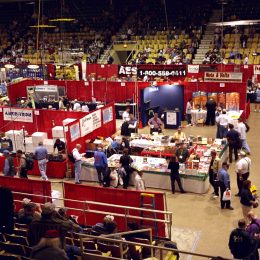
(100,163)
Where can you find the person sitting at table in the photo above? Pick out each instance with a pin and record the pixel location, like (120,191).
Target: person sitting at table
(155,124)
(60,145)
(179,135)
(132,124)
(182,153)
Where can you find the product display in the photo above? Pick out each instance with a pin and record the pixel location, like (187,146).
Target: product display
(194,175)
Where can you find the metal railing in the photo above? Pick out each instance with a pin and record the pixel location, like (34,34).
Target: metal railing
(158,251)
(126,213)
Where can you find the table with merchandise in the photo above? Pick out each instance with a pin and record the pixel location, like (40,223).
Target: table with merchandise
(194,175)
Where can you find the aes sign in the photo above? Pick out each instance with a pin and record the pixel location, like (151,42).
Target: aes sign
(126,70)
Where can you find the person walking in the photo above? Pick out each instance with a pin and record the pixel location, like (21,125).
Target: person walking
(21,170)
(40,155)
(233,142)
(242,170)
(247,200)
(125,161)
(174,166)
(242,130)
(9,169)
(224,184)
(100,163)
(241,244)
(77,157)
(213,173)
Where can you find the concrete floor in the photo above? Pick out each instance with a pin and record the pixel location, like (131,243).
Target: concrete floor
(202,213)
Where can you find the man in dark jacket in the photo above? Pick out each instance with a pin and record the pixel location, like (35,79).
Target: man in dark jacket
(211,109)
(233,142)
(241,244)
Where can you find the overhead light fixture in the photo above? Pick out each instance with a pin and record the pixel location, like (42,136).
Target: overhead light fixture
(43,26)
(9,66)
(33,67)
(236,23)
(62,20)
(256,53)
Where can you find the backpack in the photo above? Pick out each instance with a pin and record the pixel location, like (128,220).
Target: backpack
(29,163)
(71,157)
(247,127)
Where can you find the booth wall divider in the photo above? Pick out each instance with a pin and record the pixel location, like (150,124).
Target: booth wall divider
(108,195)
(37,187)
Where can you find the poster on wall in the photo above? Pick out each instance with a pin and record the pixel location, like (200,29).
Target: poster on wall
(257,69)
(232,101)
(171,118)
(199,99)
(107,115)
(214,96)
(18,115)
(222,100)
(90,122)
(74,132)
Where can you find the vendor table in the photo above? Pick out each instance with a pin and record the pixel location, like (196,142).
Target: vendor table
(198,114)
(156,174)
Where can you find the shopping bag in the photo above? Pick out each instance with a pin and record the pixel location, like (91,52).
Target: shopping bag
(227,195)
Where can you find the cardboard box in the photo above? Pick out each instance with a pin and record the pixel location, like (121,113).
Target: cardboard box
(57,132)
(38,137)
(68,120)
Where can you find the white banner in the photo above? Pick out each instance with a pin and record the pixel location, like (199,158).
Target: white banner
(18,115)
(257,69)
(107,115)
(193,68)
(46,88)
(171,118)
(223,77)
(90,122)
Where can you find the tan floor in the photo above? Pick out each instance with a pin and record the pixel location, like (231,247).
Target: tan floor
(202,213)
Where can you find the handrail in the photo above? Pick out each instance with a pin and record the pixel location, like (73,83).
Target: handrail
(167,220)
(152,247)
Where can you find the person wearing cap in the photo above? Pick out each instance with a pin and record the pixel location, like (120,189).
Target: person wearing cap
(242,170)
(213,173)
(224,184)
(107,227)
(179,135)
(222,121)
(60,145)
(29,208)
(100,163)
(78,161)
(241,128)
(40,155)
(182,153)
(9,169)
(49,247)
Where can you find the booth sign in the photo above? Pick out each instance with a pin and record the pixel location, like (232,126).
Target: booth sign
(223,77)
(18,115)
(90,122)
(171,71)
